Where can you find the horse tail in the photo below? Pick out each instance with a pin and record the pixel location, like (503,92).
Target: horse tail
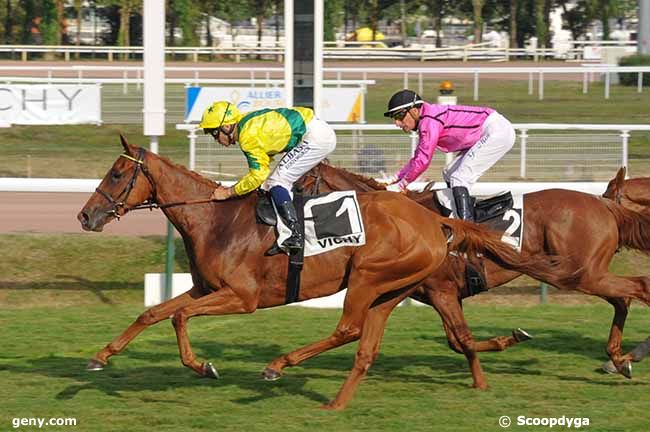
(473,239)
(633,227)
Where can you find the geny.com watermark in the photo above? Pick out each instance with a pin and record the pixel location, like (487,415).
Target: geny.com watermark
(40,422)
(550,422)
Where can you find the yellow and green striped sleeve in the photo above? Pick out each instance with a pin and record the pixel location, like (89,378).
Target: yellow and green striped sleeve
(258,169)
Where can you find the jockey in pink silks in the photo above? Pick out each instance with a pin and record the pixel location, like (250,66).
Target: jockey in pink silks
(480,135)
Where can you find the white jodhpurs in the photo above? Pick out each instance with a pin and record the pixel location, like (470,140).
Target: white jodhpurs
(497,139)
(317,143)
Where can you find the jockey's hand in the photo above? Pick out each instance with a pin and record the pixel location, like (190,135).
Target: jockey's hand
(222,193)
(388,180)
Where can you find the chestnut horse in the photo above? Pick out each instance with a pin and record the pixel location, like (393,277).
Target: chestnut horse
(586,229)
(405,244)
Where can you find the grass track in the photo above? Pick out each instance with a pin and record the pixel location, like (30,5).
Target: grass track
(416,384)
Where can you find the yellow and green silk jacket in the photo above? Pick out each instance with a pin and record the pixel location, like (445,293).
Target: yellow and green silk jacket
(263,134)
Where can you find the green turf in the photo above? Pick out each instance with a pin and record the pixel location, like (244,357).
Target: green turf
(416,384)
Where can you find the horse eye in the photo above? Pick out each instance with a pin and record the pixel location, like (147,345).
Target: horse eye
(116,175)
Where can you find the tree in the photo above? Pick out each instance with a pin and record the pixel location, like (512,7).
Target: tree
(260,10)
(477,6)
(542,22)
(513,24)
(183,14)
(333,18)
(437,10)
(77,7)
(576,19)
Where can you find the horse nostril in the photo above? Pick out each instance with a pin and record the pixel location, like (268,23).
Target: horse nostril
(83,218)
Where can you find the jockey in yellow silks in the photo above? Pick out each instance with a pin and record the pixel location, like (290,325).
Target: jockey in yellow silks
(304,139)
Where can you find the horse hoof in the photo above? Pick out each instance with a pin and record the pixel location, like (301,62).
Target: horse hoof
(210,371)
(521,335)
(626,369)
(270,375)
(95,365)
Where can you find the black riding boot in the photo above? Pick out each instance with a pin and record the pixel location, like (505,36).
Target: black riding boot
(463,201)
(465,210)
(288,214)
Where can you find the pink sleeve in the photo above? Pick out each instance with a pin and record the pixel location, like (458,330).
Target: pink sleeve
(429,132)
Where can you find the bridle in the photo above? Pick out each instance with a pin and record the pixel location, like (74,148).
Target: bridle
(150,203)
(119,202)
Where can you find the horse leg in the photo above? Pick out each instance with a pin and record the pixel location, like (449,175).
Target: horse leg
(610,285)
(222,302)
(498,343)
(347,330)
(148,318)
(618,362)
(452,315)
(371,335)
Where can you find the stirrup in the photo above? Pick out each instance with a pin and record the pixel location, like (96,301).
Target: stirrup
(292,243)
(274,250)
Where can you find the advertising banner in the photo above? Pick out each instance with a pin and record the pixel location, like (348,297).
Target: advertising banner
(50,104)
(338,105)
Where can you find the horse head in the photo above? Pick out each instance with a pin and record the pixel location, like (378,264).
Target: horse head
(633,194)
(121,189)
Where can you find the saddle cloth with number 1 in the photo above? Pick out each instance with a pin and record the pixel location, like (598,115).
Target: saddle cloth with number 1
(331,221)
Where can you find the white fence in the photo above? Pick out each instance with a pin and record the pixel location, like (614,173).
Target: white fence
(543,152)
(121,79)
(337,50)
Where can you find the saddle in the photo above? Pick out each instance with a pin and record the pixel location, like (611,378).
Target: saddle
(488,211)
(483,209)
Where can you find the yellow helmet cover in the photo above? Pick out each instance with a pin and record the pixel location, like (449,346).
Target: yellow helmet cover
(219,114)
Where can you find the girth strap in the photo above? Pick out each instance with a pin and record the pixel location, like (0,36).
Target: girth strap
(296,259)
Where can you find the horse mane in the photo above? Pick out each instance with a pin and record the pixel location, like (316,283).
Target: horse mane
(359,178)
(193,174)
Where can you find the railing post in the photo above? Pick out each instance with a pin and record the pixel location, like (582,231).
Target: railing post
(476,85)
(192,137)
(639,84)
(625,136)
(414,142)
(607,78)
(530,83)
(124,86)
(523,138)
(585,83)
(541,85)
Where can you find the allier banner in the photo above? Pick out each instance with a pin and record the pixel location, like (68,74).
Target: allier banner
(338,105)
(50,104)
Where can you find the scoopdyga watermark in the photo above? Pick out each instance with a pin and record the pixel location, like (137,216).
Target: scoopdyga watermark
(545,422)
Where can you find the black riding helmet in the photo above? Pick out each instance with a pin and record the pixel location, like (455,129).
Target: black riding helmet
(401,101)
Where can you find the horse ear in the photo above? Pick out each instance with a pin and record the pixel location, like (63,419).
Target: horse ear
(620,176)
(125,144)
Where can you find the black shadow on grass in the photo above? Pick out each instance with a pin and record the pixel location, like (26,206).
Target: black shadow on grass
(74,283)
(565,341)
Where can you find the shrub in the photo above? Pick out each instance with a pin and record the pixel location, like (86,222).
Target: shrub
(631,78)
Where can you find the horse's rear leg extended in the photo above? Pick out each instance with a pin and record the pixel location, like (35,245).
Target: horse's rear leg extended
(497,343)
(149,317)
(452,316)
(371,335)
